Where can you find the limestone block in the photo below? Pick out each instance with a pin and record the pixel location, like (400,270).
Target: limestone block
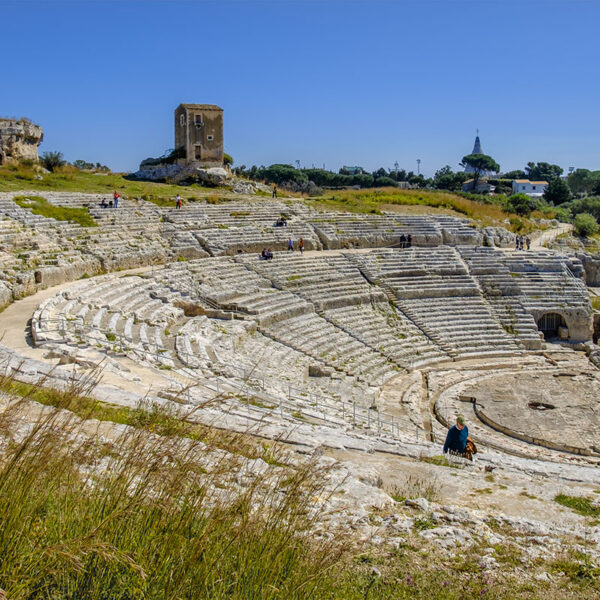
(19,140)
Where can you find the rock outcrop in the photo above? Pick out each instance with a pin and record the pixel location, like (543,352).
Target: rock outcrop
(176,173)
(19,140)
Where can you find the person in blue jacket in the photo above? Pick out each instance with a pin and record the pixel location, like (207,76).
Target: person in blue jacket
(456,440)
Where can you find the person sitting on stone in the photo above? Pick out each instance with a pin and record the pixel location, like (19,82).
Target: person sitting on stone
(103,203)
(269,254)
(456,439)
(263,254)
(283,221)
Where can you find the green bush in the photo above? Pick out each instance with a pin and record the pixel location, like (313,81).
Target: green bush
(53,160)
(521,204)
(385,182)
(585,225)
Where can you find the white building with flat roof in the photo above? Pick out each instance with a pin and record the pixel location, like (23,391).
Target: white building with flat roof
(530,188)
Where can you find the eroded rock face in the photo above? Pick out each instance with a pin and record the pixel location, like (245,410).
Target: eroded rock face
(19,140)
(184,174)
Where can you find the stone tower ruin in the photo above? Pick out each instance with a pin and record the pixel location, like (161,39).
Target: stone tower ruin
(199,133)
(19,140)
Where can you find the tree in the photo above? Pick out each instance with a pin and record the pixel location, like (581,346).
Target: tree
(446,179)
(481,163)
(518,174)
(521,204)
(585,225)
(227,159)
(596,190)
(557,191)
(583,181)
(542,171)
(385,181)
(82,164)
(53,160)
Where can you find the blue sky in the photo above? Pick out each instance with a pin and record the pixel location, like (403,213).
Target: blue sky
(320,81)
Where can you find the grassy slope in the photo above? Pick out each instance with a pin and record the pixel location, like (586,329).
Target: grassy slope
(69,179)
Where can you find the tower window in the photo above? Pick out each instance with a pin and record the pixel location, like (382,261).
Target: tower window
(182,120)
(210,138)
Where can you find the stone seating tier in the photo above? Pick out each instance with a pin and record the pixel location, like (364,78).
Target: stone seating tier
(387,331)
(462,326)
(313,335)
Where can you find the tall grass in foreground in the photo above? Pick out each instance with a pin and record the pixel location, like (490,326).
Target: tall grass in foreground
(93,509)
(146,516)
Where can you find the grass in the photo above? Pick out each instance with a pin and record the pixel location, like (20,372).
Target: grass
(440,461)
(70,179)
(373,200)
(595,302)
(579,504)
(40,206)
(150,523)
(416,486)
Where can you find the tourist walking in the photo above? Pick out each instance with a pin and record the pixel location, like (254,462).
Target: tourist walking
(178,201)
(528,242)
(301,245)
(290,245)
(116,199)
(409,240)
(274,191)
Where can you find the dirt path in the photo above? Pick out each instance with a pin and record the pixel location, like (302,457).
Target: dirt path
(550,235)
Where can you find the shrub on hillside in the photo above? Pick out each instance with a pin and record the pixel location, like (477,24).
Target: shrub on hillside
(521,204)
(385,182)
(585,225)
(589,205)
(53,160)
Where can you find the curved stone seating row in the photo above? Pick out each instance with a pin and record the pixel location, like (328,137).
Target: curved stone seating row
(327,282)
(382,264)
(516,321)
(254,238)
(342,230)
(463,326)
(117,313)
(386,330)
(313,335)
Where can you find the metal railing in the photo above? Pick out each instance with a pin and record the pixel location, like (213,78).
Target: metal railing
(366,419)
